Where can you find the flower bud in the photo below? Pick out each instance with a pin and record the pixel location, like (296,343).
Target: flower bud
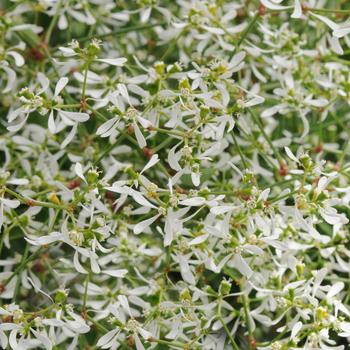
(61,296)
(225,287)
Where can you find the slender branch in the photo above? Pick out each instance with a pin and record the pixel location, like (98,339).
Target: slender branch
(122,31)
(228,333)
(263,132)
(247,320)
(32,202)
(245,33)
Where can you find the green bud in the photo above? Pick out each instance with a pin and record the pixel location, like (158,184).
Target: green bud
(225,287)
(174,68)
(185,295)
(159,67)
(300,269)
(306,161)
(4,175)
(92,176)
(204,111)
(61,296)
(321,313)
(93,48)
(24,219)
(184,84)
(291,292)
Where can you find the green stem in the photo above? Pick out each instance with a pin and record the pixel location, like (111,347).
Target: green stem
(85,297)
(109,149)
(31,202)
(245,164)
(229,335)
(52,24)
(84,82)
(21,267)
(263,132)
(245,33)
(122,31)
(167,131)
(328,10)
(247,320)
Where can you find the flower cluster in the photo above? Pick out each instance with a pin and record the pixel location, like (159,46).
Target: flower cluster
(174,174)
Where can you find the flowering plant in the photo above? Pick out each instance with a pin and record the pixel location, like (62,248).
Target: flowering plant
(174,174)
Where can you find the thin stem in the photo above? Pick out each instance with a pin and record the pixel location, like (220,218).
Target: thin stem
(247,320)
(21,267)
(122,31)
(245,164)
(22,264)
(168,343)
(219,316)
(109,149)
(84,82)
(276,199)
(167,131)
(85,297)
(52,24)
(97,324)
(31,202)
(263,132)
(313,9)
(245,33)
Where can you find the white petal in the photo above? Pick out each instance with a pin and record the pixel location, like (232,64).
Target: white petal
(11,78)
(237,58)
(141,200)
(139,137)
(214,30)
(291,155)
(77,264)
(116,273)
(67,52)
(145,14)
(153,161)
(297,13)
(60,85)
(335,289)
(123,91)
(341,32)
(222,209)
(51,123)
(106,126)
(76,116)
(107,337)
(44,82)
(69,137)
(196,178)
(193,202)
(200,239)
(272,6)
(296,329)
(141,226)
(19,60)
(43,339)
(79,171)
(113,61)
(185,270)
(18,182)
(124,303)
(11,203)
(327,21)
(62,22)
(241,265)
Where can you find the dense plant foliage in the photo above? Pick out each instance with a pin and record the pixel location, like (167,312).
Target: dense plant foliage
(174,174)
